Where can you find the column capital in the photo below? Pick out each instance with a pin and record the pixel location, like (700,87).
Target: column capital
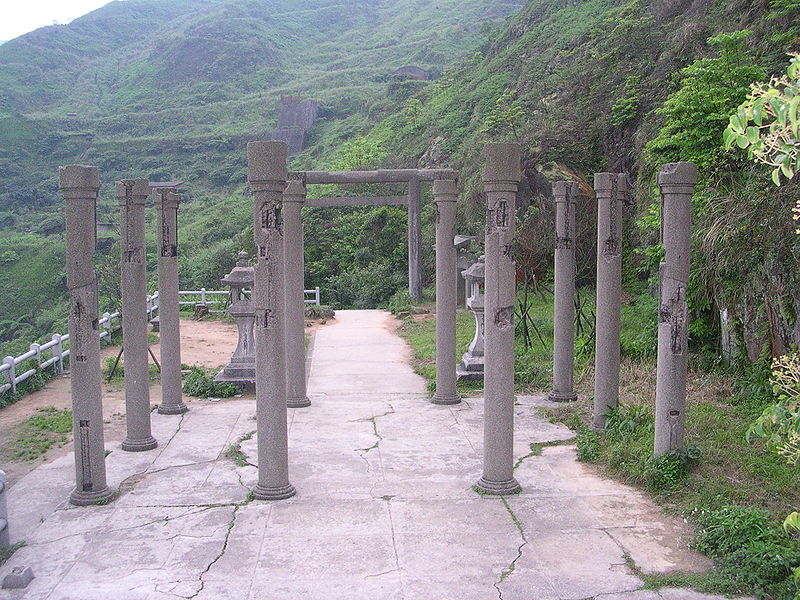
(295,191)
(266,162)
(445,190)
(564,189)
(78,181)
(166,198)
(606,182)
(678,178)
(132,191)
(503,163)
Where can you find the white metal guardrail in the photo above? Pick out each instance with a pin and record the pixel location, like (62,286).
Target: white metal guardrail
(54,352)
(223,297)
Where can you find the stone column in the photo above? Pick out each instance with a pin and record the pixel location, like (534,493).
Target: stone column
(132,194)
(676,181)
(415,240)
(501,177)
(266,173)
(445,194)
(169,318)
(565,193)
(80,186)
(610,189)
(293,199)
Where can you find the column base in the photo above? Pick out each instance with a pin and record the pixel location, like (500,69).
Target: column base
(555,396)
(274,493)
(446,399)
(139,445)
(172,409)
(298,402)
(498,488)
(79,498)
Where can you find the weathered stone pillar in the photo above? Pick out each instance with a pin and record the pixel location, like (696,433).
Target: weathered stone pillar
(610,189)
(293,199)
(266,173)
(501,177)
(80,186)
(132,194)
(445,195)
(676,181)
(415,240)
(169,317)
(565,193)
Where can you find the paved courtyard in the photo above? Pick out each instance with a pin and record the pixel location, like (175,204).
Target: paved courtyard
(384,508)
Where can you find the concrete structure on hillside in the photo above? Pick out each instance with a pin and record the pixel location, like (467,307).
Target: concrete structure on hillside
(565,194)
(166,204)
(501,177)
(296,116)
(610,189)
(80,186)
(132,195)
(676,182)
(241,370)
(412,72)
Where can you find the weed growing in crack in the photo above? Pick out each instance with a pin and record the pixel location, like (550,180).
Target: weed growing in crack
(234,451)
(9,552)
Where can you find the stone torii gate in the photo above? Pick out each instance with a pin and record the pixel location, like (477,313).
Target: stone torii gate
(445,195)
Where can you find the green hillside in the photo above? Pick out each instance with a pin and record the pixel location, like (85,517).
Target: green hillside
(583,85)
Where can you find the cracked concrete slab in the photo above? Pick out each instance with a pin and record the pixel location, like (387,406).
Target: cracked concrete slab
(384,507)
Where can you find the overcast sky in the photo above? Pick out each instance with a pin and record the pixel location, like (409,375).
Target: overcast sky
(21,16)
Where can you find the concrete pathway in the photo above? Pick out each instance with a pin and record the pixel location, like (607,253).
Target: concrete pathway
(384,509)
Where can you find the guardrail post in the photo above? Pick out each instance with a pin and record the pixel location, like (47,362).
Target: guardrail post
(107,324)
(202,295)
(38,349)
(316,294)
(5,537)
(58,350)
(11,374)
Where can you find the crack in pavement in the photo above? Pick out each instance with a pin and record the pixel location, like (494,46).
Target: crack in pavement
(231,525)
(374,420)
(505,573)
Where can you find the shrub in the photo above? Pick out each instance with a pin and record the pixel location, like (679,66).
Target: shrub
(625,420)
(400,302)
(663,472)
(200,385)
(748,546)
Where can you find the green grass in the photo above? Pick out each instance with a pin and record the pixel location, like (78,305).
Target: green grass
(420,333)
(46,428)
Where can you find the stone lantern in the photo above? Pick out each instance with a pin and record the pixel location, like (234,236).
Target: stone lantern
(464,259)
(241,370)
(471,365)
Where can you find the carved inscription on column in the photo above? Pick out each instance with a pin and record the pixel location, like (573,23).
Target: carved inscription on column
(86,461)
(613,244)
